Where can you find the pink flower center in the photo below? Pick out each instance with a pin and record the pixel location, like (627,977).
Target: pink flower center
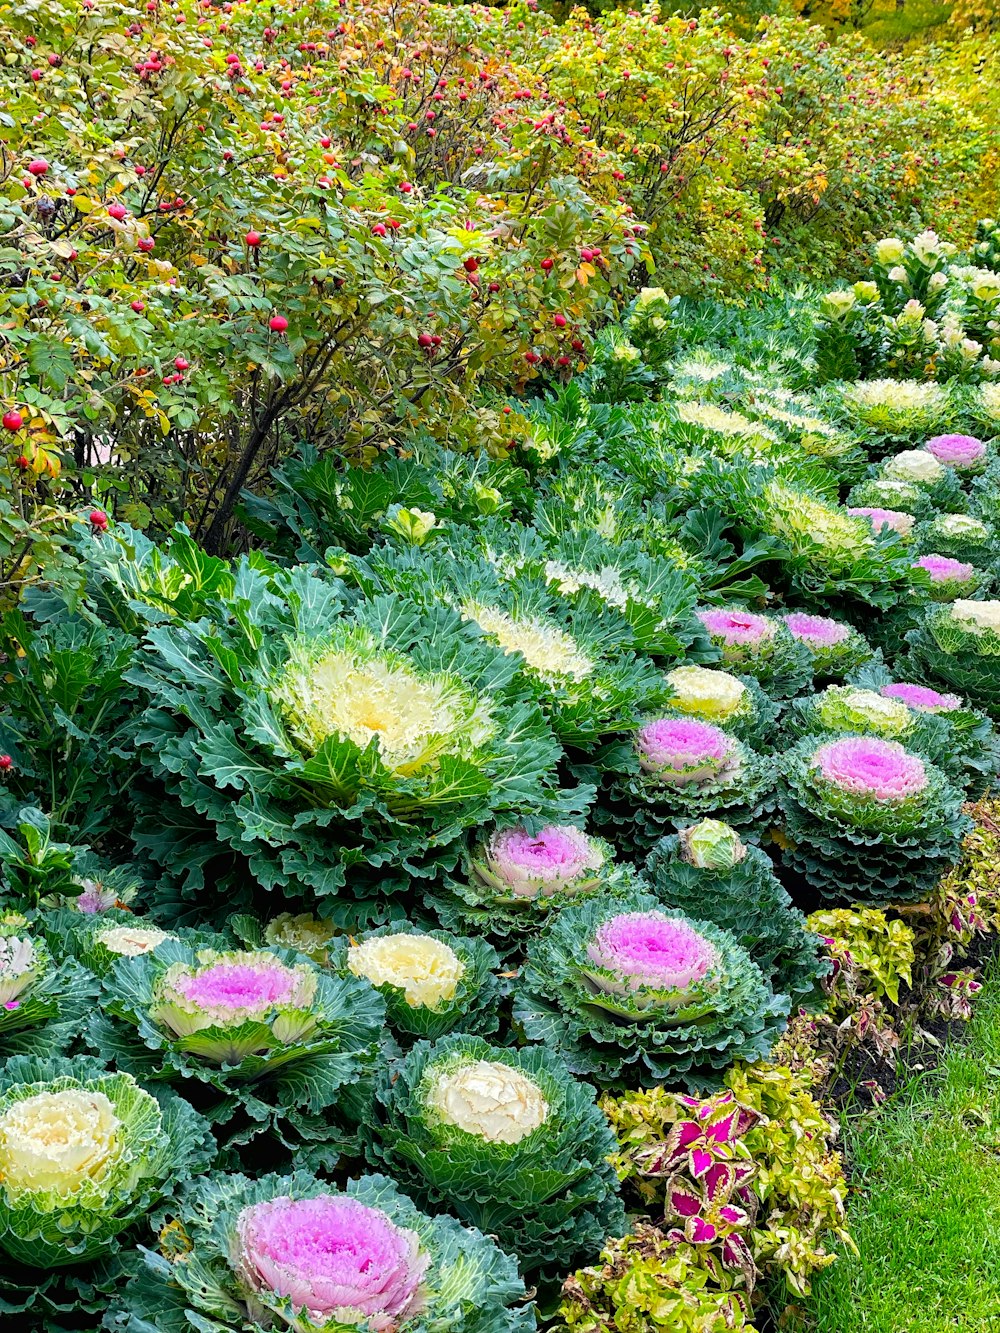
(884,518)
(942,568)
(651,949)
(238,986)
(682,745)
(329,1254)
(556,852)
(956,450)
(922,697)
(736,627)
(869,767)
(816,631)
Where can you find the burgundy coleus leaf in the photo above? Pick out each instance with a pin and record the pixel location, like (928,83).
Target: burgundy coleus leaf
(735,1254)
(700,1232)
(682,1200)
(701,1162)
(719,1182)
(736,1217)
(744,1171)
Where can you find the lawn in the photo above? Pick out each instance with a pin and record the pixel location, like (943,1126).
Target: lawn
(925,1207)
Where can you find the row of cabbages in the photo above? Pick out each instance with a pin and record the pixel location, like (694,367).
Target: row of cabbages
(453,835)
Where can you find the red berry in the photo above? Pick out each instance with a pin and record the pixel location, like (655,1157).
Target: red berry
(378,229)
(12,420)
(277,324)
(38,167)
(494,286)
(181,363)
(547,264)
(145,244)
(117,211)
(23,463)
(471,264)
(138,307)
(425,340)
(6,763)
(559,321)
(406,187)
(98,520)
(253,239)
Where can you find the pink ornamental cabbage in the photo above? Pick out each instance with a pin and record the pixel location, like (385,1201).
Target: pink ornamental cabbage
(650,949)
(884,518)
(737,629)
(957,451)
(541,863)
(333,1257)
(816,631)
(871,768)
(239,987)
(922,698)
(681,750)
(942,569)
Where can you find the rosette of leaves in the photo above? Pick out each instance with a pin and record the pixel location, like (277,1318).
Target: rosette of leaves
(709,775)
(882,492)
(759,646)
(734,702)
(835,647)
(851,709)
(961,536)
(572,655)
(973,750)
(656,1279)
(901,412)
(929,476)
(311,741)
(627,990)
(263,1041)
(508,1141)
(84,1155)
(866,819)
(959,644)
(710,873)
(100,940)
(245,1256)
(517,876)
(432,982)
(43,1004)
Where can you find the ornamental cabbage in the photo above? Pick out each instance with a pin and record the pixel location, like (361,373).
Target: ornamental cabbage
(959,644)
(43,1007)
(708,872)
(507,1140)
(735,703)
(683,770)
(315,739)
(869,712)
(84,1155)
(432,982)
(865,817)
(961,536)
(964,453)
(271,1035)
(949,578)
(628,990)
(834,646)
(293,1252)
(759,645)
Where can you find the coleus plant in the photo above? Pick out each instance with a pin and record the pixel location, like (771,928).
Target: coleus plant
(322,743)
(507,1140)
(865,818)
(262,1040)
(84,1155)
(627,989)
(709,872)
(245,1256)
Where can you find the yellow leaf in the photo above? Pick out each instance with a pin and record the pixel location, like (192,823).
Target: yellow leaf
(83,203)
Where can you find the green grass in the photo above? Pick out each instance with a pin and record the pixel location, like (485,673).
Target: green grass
(925,1201)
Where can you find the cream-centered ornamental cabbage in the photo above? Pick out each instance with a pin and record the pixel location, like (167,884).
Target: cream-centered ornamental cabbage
(488,1099)
(131,941)
(979,617)
(546,648)
(56,1141)
(426,970)
(706,693)
(914,465)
